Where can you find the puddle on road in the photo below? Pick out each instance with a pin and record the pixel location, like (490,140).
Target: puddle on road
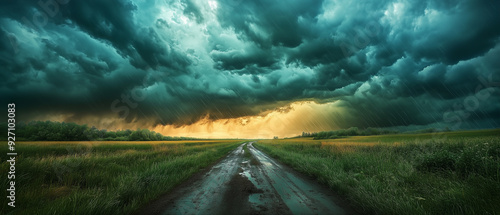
(267,201)
(255,199)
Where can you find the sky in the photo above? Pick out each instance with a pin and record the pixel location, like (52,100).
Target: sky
(255,68)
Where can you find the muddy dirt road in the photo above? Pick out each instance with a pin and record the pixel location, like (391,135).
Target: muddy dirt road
(248,182)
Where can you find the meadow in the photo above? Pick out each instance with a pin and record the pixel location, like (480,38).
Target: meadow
(434,173)
(110,177)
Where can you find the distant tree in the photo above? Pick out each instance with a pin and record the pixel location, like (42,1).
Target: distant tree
(57,131)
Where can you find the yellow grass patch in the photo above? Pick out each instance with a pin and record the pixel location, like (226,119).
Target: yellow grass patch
(58,191)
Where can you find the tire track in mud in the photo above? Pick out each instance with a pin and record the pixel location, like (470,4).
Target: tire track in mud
(248,182)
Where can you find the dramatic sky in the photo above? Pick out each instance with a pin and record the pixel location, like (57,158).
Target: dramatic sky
(252,68)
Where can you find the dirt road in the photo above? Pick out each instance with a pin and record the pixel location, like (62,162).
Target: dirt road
(248,182)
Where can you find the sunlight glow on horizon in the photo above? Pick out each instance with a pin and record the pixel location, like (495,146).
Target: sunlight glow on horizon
(284,121)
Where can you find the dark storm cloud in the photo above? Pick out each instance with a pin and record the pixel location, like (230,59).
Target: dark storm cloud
(469,29)
(236,60)
(192,10)
(267,22)
(111,21)
(390,63)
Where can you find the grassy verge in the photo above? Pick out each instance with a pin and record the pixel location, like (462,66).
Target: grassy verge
(450,173)
(102,178)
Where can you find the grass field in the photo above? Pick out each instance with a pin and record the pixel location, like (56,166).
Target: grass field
(440,173)
(102,177)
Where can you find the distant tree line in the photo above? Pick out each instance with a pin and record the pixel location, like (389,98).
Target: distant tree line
(428,130)
(353,131)
(62,131)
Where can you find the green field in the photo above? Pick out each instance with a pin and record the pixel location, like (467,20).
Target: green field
(437,173)
(102,177)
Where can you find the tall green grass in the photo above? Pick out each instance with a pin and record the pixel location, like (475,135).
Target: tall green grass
(86,178)
(457,174)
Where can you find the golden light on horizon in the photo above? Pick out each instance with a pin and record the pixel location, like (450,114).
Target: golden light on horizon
(286,121)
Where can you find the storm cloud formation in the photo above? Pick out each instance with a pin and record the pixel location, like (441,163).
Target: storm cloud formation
(389,63)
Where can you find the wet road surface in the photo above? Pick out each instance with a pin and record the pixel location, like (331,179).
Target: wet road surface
(248,183)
